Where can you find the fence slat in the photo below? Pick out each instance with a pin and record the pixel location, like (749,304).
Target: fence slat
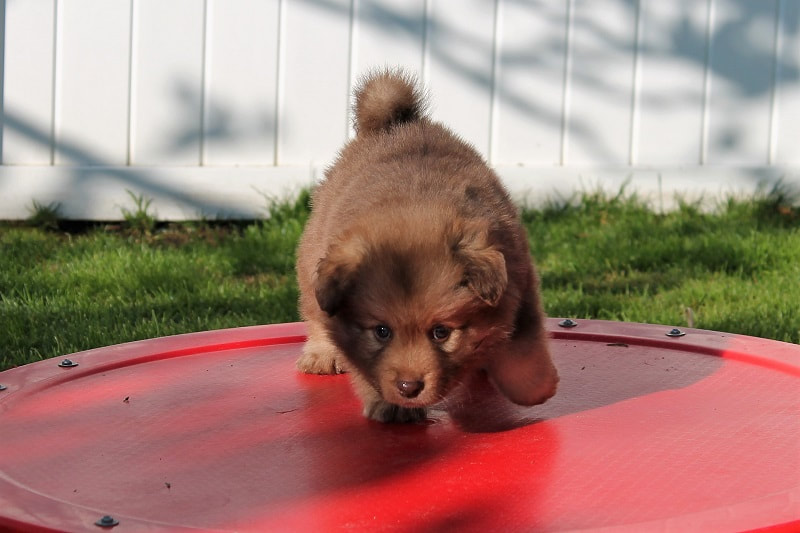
(603,51)
(315,84)
(388,33)
(673,63)
(92,115)
(241,70)
(742,51)
(146,92)
(167,82)
(787,114)
(28,82)
(460,68)
(532,55)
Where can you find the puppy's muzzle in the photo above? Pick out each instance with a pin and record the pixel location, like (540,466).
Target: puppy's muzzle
(409,389)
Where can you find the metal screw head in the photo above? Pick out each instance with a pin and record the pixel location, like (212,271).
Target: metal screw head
(675,332)
(107,521)
(3,387)
(67,363)
(568,323)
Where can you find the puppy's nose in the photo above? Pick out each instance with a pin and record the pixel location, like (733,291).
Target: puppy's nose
(410,389)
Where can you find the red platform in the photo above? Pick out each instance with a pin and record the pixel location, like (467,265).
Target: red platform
(217,431)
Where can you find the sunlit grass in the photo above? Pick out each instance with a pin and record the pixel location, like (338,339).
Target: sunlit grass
(736,269)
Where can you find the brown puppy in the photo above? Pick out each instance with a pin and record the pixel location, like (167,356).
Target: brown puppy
(414,270)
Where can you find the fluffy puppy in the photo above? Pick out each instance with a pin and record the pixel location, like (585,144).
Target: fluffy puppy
(414,270)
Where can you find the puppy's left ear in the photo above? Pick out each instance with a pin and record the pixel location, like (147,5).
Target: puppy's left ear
(336,273)
(484,265)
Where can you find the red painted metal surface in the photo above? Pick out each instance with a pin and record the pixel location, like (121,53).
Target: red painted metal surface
(217,431)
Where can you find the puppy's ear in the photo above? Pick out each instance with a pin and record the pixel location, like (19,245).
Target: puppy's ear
(336,273)
(484,265)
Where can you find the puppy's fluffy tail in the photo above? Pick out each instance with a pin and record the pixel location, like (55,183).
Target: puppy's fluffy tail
(386,99)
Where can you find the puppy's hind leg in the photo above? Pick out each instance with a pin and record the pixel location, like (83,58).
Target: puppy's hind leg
(522,367)
(320,355)
(523,370)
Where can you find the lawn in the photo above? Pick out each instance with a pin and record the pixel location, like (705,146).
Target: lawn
(69,287)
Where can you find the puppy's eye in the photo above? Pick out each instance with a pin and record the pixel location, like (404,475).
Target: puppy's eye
(440,333)
(382,332)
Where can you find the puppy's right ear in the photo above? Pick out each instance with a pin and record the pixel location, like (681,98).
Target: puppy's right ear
(484,265)
(336,273)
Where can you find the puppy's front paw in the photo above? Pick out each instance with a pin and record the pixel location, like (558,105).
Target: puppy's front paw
(316,363)
(389,412)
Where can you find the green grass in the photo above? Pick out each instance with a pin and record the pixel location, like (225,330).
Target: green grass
(737,269)
(61,293)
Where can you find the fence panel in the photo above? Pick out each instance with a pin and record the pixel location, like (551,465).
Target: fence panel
(742,72)
(28,75)
(672,83)
(388,33)
(603,51)
(786,112)
(92,85)
(459,68)
(241,87)
(208,107)
(315,80)
(167,82)
(529,131)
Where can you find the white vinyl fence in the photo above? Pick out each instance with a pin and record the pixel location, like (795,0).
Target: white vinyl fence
(210,107)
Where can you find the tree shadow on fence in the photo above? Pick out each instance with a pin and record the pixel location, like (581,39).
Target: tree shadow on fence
(734,47)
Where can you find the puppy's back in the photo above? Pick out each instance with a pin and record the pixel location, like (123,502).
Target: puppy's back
(400,157)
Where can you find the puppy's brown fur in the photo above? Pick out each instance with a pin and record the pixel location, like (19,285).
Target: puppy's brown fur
(414,270)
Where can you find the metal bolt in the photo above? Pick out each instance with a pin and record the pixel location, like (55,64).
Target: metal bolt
(67,363)
(568,323)
(3,387)
(675,332)
(107,521)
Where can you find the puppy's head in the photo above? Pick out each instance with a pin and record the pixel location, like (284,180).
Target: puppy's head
(410,298)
